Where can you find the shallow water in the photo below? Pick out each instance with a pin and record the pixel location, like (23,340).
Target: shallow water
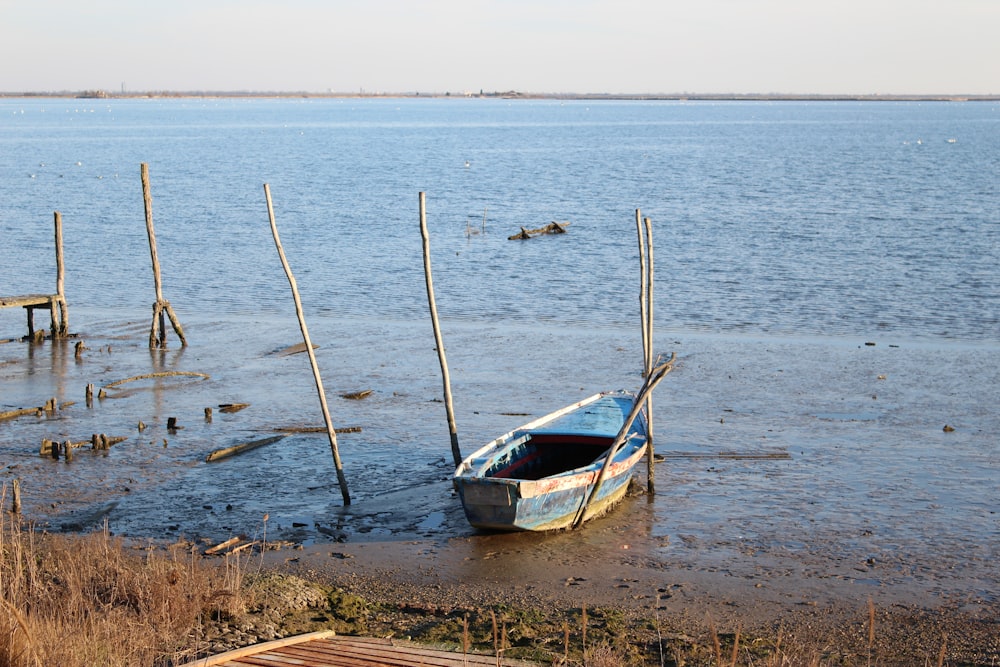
(788,450)
(788,237)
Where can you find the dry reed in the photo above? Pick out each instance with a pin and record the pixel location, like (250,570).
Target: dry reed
(72,600)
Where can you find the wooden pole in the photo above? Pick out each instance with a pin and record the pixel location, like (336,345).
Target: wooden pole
(645,319)
(653,379)
(650,481)
(643,276)
(158,332)
(456,452)
(60,323)
(331,433)
(147,200)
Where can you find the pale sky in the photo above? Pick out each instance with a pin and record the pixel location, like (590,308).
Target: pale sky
(555,46)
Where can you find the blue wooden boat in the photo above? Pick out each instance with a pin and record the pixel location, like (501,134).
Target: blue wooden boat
(561,469)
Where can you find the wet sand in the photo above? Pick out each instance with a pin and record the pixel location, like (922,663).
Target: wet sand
(800,477)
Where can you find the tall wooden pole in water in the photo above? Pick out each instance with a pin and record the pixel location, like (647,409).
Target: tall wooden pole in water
(158,332)
(643,277)
(650,483)
(331,433)
(645,232)
(456,453)
(60,324)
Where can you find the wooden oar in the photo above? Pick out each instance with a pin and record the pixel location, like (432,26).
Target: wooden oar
(652,379)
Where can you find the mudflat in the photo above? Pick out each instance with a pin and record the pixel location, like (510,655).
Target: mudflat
(827,494)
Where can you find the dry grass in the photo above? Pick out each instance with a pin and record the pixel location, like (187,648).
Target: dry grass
(91,601)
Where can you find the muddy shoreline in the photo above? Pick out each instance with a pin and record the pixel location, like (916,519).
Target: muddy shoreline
(661,606)
(801,478)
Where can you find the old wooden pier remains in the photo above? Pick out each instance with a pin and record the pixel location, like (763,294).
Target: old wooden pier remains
(54,303)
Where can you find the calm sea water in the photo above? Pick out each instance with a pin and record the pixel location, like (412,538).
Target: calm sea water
(810,218)
(787,235)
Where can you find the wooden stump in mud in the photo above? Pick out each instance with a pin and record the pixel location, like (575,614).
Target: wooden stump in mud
(15,503)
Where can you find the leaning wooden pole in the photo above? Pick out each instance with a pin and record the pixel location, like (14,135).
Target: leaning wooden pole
(60,320)
(650,482)
(456,453)
(309,348)
(158,332)
(652,379)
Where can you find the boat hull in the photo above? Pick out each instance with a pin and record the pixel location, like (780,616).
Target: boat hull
(494,501)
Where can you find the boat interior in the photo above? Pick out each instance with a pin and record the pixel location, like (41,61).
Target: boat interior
(546,454)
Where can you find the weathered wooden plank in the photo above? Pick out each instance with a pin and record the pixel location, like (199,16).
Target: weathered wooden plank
(43,300)
(229,656)
(226,452)
(327,650)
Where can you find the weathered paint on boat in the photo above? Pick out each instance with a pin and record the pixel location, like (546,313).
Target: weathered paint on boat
(494,501)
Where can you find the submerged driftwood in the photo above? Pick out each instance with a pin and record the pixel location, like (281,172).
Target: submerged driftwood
(226,452)
(357,395)
(160,374)
(551,228)
(49,407)
(316,429)
(293,349)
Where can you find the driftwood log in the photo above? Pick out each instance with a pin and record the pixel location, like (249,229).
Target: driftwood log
(357,395)
(551,228)
(316,429)
(50,406)
(221,546)
(159,374)
(227,452)
(14,414)
(298,348)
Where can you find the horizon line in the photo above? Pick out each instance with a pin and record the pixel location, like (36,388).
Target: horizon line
(508,94)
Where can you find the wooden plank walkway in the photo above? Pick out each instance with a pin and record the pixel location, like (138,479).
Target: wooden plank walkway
(324,649)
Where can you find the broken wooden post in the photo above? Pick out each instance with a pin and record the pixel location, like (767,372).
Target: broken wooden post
(158,332)
(60,320)
(309,348)
(15,503)
(456,453)
(48,448)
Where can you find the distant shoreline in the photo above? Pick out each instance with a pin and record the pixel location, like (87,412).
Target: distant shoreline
(681,97)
